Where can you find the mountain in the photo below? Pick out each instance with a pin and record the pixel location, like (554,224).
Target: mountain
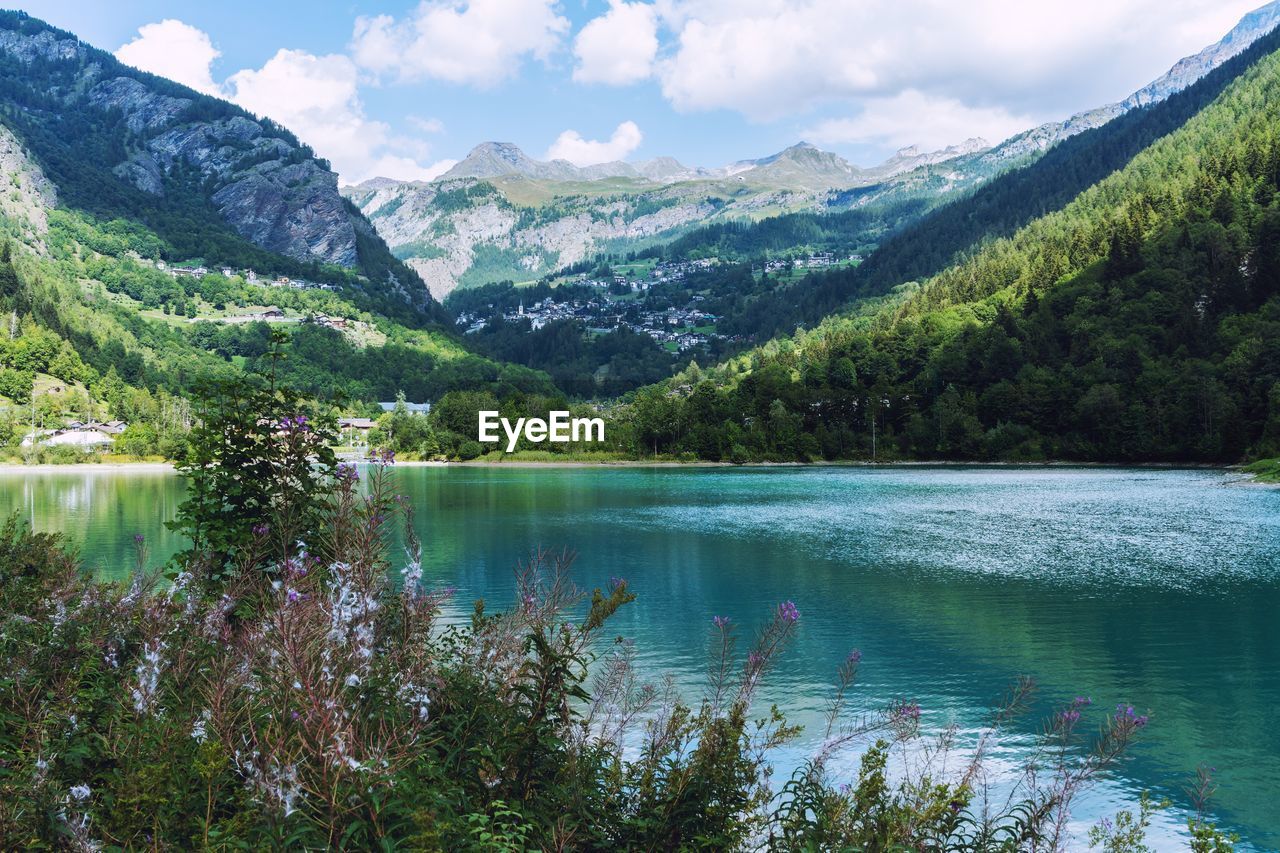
(912,158)
(215,182)
(1138,322)
(496,159)
(501,215)
(800,166)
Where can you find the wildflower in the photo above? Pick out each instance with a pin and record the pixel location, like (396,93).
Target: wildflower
(80,792)
(412,695)
(855,656)
(616,582)
(346,473)
(198,729)
(788,613)
(139,538)
(412,570)
(261,529)
(292,594)
(1081,702)
(353,680)
(907,712)
(1069,718)
(720,621)
(1126,716)
(148,672)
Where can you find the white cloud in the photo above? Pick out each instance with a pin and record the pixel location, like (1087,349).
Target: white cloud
(587,152)
(618,47)
(477,42)
(175,50)
(768,59)
(316,97)
(407,169)
(427,125)
(913,117)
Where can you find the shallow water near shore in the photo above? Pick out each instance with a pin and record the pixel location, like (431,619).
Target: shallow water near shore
(1157,588)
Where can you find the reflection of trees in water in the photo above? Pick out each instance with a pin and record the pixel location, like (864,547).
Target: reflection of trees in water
(98,511)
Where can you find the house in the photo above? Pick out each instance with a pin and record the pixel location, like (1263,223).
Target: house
(414,408)
(356,430)
(82,438)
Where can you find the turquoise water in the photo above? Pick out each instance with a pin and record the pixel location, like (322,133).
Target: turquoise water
(1155,588)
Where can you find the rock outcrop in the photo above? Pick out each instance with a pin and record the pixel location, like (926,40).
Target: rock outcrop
(268,187)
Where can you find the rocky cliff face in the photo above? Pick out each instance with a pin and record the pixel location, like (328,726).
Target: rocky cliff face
(265,185)
(464,229)
(26,193)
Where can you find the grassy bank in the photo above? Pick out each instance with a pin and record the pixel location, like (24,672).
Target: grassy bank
(1265,470)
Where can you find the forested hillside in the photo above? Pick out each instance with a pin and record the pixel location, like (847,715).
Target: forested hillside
(1139,323)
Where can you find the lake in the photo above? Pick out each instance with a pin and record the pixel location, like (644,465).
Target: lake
(1157,588)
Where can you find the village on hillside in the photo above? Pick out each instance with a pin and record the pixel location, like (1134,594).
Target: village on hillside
(619,301)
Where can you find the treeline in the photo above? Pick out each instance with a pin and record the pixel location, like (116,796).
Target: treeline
(582,364)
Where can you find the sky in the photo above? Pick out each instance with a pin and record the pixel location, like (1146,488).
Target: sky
(405,89)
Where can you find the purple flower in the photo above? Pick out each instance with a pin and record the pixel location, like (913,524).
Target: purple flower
(614,583)
(1081,702)
(261,529)
(855,656)
(788,613)
(754,660)
(293,594)
(720,621)
(346,473)
(1069,718)
(907,711)
(138,538)
(1125,715)
(384,456)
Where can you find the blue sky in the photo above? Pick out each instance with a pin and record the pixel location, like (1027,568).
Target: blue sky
(403,88)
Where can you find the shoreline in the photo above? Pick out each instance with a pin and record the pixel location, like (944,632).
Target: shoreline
(1245,477)
(113,467)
